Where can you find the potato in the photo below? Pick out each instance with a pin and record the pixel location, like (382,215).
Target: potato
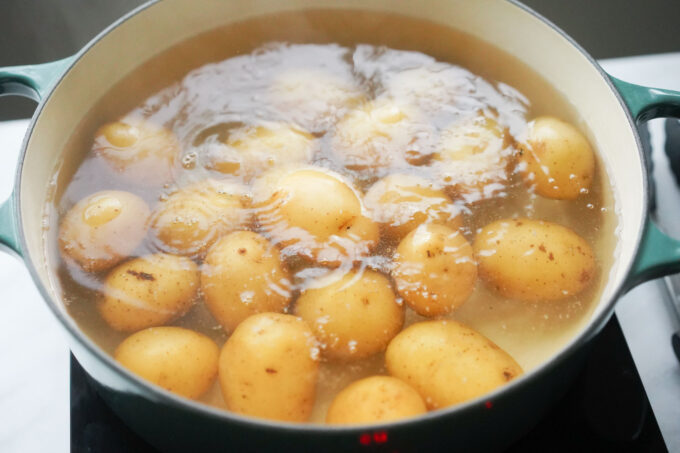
(140,151)
(375,399)
(268,368)
(353,317)
(533,260)
(401,202)
(251,150)
(473,156)
(148,291)
(315,214)
(435,271)
(243,275)
(179,360)
(381,135)
(557,159)
(448,363)
(102,229)
(190,220)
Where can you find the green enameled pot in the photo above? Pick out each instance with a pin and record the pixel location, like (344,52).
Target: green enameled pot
(68,88)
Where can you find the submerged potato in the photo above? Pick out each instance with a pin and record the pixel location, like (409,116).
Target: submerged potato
(533,260)
(243,275)
(148,291)
(353,317)
(190,220)
(253,149)
(268,368)
(448,363)
(375,399)
(381,135)
(557,159)
(314,213)
(139,150)
(179,360)
(473,156)
(435,271)
(401,202)
(103,229)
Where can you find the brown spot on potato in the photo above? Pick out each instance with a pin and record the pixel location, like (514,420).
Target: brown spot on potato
(141,275)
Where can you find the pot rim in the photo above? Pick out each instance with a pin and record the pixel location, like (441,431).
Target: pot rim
(163,396)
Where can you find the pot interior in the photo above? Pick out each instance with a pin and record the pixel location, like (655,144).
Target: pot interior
(163,25)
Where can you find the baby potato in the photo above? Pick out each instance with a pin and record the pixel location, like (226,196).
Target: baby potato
(243,275)
(252,149)
(381,135)
(557,159)
(268,368)
(102,229)
(472,158)
(148,291)
(179,360)
(435,271)
(401,202)
(448,363)
(314,214)
(533,260)
(314,98)
(139,150)
(375,399)
(190,220)
(352,317)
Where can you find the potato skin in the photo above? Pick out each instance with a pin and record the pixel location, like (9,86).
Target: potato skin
(190,220)
(401,202)
(353,317)
(533,260)
(148,291)
(435,270)
(557,159)
(140,151)
(177,359)
(102,229)
(314,213)
(268,368)
(243,275)
(375,399)
(448,363)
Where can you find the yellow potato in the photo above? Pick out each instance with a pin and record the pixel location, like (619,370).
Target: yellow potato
(139,150)
(381,135)
(435,271)
(533,260)
(103,229)
(268,368)
(557,159)
(401,202)
(473,157)
(190,220)
(354,316)
(148,291)
(243,275)
(179,360)
(375,399)
(315,214)
(448,363)
(314,98)
(251,150)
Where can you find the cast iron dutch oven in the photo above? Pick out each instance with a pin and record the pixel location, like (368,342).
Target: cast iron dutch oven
(68,88)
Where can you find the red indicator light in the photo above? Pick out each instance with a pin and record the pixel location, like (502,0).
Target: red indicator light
(488,404)
(380,437)
(365,439)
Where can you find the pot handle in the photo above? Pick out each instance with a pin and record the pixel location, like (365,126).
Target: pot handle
(659,254)
(35,82)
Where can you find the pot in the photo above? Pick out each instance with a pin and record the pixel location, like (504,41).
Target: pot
(68,88)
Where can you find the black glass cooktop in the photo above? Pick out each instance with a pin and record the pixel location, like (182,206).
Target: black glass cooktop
(606,409)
